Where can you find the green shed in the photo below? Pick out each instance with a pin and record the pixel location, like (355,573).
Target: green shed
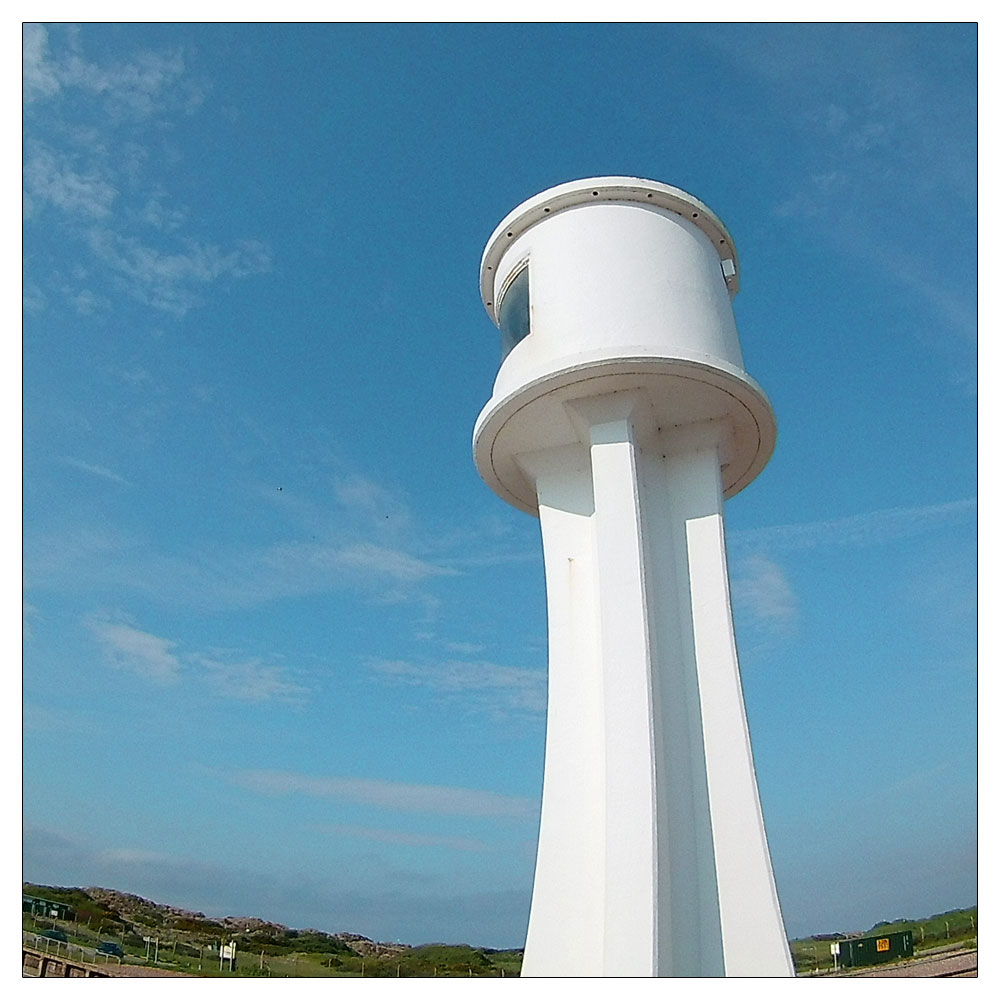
(853,952)
(39,907)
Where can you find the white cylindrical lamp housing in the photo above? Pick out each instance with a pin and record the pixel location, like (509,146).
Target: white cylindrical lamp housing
(609,284)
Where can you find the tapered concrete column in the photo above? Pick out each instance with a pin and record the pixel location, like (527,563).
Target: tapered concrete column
(571,843)
(713,841)
(753,936)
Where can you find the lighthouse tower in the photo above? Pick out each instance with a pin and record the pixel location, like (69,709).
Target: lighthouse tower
(622,416)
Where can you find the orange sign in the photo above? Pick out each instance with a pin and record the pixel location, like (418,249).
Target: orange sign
(882,944)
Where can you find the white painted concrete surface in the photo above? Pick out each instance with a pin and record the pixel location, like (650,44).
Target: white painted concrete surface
(623,419)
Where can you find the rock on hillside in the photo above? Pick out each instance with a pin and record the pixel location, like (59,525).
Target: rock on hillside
(365,946)
(253,925)
(135,909)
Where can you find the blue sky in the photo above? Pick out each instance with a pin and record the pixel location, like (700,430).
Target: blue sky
(284,651)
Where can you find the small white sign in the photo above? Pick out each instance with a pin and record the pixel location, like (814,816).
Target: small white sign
(835,948)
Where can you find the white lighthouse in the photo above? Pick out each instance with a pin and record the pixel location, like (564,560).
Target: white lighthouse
(622,416)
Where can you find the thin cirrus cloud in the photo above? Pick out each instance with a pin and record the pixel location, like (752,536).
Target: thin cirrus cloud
(465,648)
(132,856)
(96,470)
(436,799)
(398,565)
(886,104)
(498,688)
(858,530)
(872,148)
(402,838)
(366,499)
(220,577)
(313,568)
(759,584)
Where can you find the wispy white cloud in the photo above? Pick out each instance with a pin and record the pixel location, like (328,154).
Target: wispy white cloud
(887,147)
(941,589)
(161,215)
(496,557)
(215,575)
(329,550)
(384,514)
(134,375)
(153,657)
(811,199)
(374,503)
(39,76)
(132,856)
(764,597)
(915,270)
(381,561)
(96,470)
(465,648)
(136,86)
(74,557)
(888,105)
(490,686)
(53,179)
(365,494)
(436,799)
(88,303)
(761,587)
(856,531)
(94,169)
(403,838)
(33,299)
(28,614)
(170,280)
(44,719)
(137,652)
(249,680)
(391,574)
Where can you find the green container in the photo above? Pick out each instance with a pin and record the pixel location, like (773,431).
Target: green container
(855,952)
